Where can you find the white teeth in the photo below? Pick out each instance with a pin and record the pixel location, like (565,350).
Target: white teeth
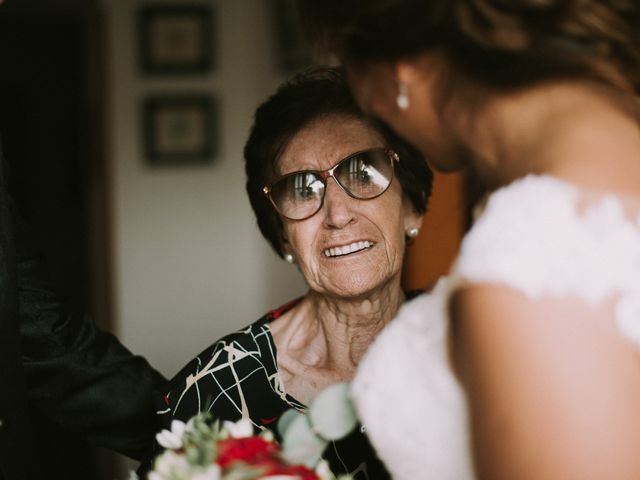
(345,250)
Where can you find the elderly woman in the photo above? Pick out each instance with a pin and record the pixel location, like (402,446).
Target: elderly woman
(339,196)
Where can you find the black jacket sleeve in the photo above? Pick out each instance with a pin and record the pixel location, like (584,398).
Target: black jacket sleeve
(16,442)
(78,375)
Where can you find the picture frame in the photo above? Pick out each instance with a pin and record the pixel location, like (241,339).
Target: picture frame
(293,51)
(180,129)
(175,39)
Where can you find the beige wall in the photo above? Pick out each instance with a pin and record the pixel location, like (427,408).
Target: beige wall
(190,264)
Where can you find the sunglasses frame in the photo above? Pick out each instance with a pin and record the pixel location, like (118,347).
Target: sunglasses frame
(325,174)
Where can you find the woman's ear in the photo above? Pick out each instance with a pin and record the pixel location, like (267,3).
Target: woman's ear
(412,219)
(416,68)
(419,70)
(412,79)
(405,71)
(412,228)
(286,249)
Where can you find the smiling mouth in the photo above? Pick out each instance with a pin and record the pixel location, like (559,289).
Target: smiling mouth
(348,249)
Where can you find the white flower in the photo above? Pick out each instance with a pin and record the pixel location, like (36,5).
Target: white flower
(268,435)
(211,472)
(190,423)
(240,429)
(323,471)
(169,465)
(175,466)
(172,438)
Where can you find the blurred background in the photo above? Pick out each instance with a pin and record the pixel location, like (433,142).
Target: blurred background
(123,122)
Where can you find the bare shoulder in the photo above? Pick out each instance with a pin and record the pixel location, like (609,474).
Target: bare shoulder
(553,386)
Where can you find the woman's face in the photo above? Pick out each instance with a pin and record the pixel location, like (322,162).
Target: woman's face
(375,87)
(344,221)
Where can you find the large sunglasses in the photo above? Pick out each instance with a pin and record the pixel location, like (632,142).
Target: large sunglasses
(363,175)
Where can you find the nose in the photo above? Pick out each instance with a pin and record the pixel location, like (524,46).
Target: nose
(338,212)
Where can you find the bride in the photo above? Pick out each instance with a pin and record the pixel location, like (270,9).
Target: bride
(533,371)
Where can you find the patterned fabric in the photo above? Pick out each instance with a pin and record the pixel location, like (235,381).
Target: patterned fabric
(238,377)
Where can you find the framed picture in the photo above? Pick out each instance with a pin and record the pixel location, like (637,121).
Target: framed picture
(180,130)
(293,49)
(175,39)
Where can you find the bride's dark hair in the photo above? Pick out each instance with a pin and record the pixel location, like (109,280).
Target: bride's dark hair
(502,43)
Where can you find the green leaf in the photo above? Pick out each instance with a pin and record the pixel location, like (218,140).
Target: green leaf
(285,420)
(332,414)
(300,444)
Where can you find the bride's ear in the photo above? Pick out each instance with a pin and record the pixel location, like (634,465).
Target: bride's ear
(418,68)
(405,71)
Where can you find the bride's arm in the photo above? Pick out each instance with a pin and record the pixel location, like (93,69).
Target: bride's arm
(553,387)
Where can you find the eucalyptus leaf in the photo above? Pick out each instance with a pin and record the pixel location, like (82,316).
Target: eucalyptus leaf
(300,444)
(332,414)
(285,420)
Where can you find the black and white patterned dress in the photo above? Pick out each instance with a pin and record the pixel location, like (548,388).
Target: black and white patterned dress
(238,377)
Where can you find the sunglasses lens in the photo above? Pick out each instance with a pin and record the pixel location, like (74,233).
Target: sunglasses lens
(299,195)
(366,174)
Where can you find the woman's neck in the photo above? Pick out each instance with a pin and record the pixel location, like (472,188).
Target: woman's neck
(351,325)
(333,333)
(585,134)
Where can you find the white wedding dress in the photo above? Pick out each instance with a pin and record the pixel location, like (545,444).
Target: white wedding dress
(539,235)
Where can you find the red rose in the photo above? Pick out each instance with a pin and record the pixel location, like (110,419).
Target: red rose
(299,471)
(251,450)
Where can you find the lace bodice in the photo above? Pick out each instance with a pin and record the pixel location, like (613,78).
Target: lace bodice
(543,236)
(539,235)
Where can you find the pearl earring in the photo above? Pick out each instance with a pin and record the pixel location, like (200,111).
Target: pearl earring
(412,232)
(403,96)
(288,257)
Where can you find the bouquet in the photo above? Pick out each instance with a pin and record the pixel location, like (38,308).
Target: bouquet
(204,449)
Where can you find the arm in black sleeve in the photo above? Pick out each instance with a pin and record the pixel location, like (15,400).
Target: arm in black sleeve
(17,459)
(78,375)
